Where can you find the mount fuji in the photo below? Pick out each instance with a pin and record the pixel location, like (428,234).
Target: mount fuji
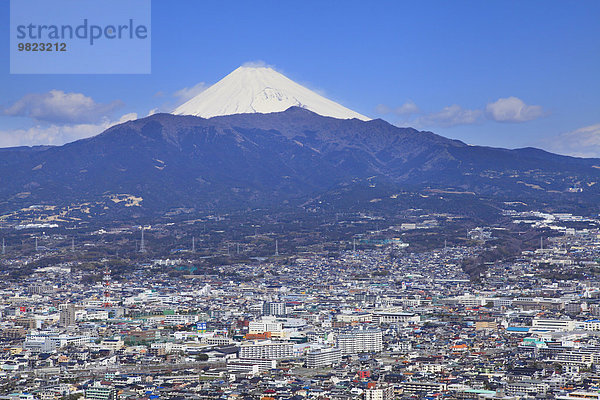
(263,90)
(256,139)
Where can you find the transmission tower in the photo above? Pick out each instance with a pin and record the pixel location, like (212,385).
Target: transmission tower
(106,284)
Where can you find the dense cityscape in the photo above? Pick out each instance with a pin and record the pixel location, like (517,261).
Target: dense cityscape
(374,319)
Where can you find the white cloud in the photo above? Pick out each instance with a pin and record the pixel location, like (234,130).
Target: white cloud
(451,116)
(256,64)
(188,93)
(125,118)
(407,108)
(512,109)
(582,142)
(59,107)
(175,99)
(57,134)
(382,109)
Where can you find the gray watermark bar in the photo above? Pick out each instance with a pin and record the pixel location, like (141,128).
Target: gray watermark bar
(80,37)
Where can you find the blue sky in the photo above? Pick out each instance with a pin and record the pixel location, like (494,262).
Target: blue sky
(496,73)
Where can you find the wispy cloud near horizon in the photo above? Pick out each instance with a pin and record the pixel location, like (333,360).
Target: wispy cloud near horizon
(55,134)
(60,107)
(188,93)
(582,142)
(450,116)
(408,108)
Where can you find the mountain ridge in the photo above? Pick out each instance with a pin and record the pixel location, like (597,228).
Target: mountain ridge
(290,157)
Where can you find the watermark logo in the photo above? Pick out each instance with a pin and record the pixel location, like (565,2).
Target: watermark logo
(80,37)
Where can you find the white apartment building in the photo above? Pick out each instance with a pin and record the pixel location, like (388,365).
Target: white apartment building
(360,340)
(178,319)
(354,317)
(586,356)
(394,317)
(326,357)
(420,387)
(589,325)
(250,365)
(527,386)
(381,393)
(407,302)
(91,315)
(552,325)
(276,308)
(67,315)
(500,301)
(266,350)
(467,300)
(216,340)
(48,341)
(266,324)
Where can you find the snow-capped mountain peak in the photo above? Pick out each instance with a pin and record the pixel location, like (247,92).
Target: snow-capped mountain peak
(260,90)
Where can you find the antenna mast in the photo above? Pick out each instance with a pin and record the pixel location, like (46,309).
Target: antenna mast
(142,244)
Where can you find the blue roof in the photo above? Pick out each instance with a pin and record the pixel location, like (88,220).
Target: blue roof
(517,329)
(480,391)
